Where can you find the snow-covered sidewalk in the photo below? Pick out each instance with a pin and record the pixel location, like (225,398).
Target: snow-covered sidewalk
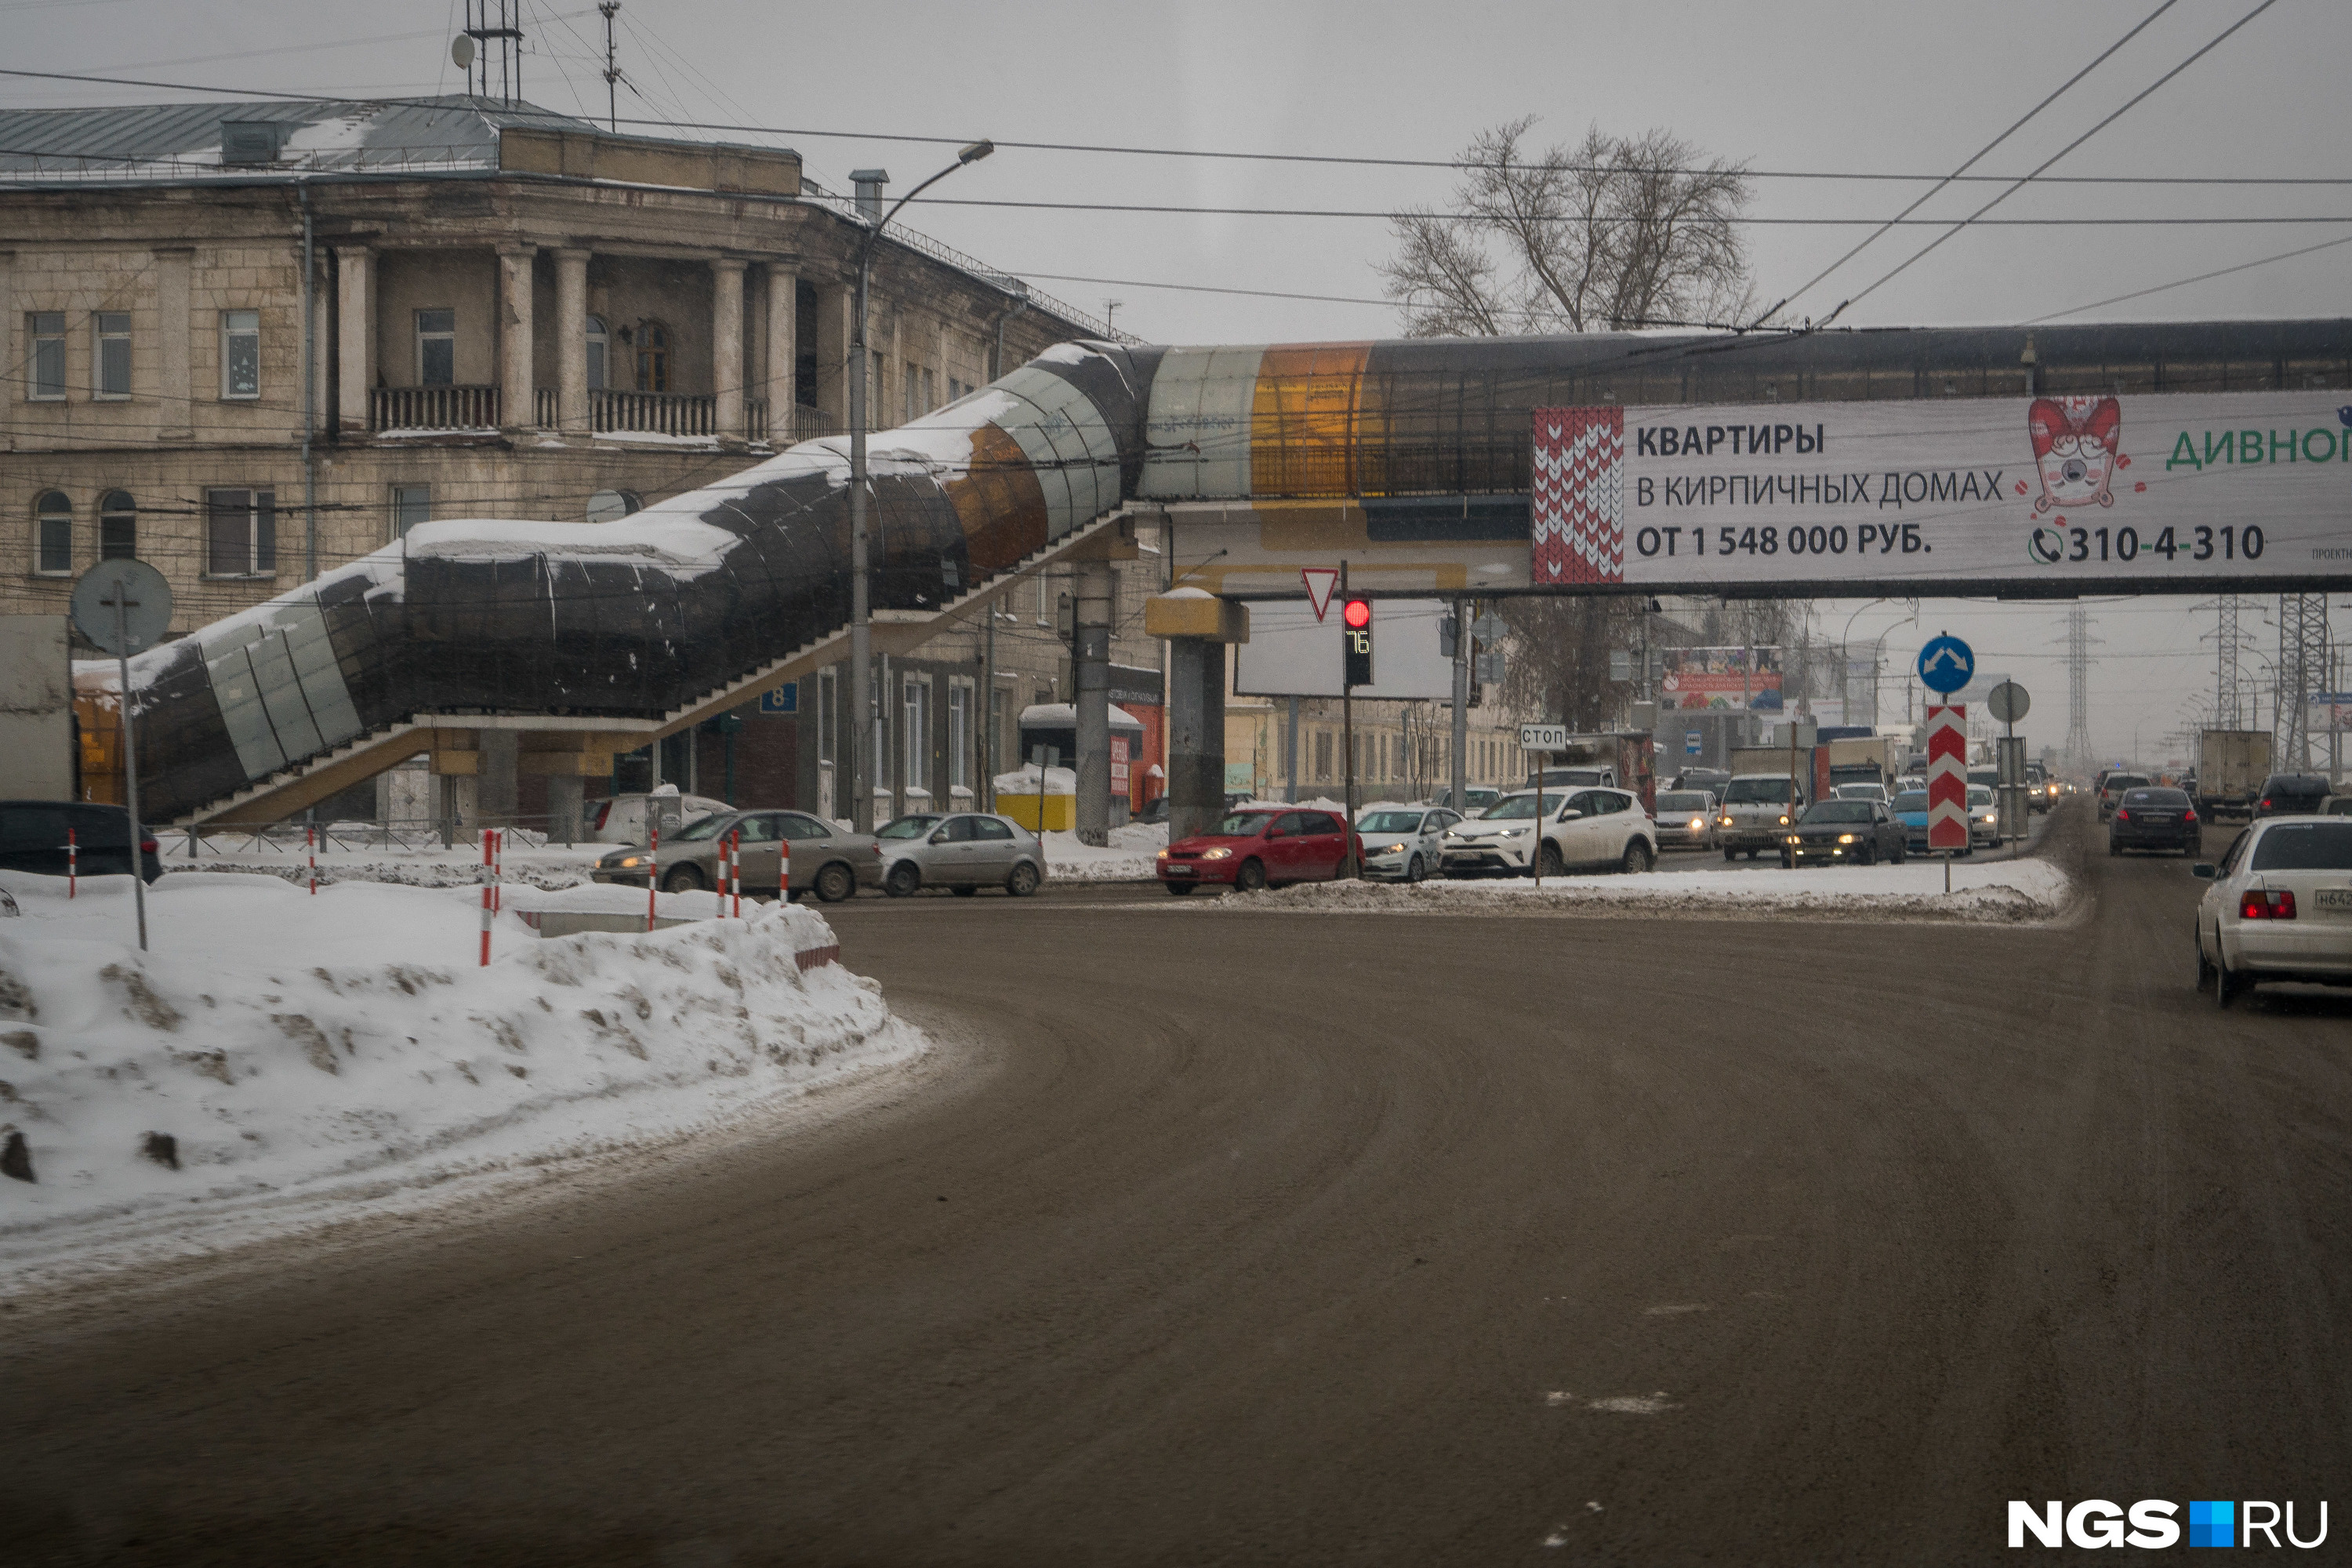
(2006,891)
(1131,856)
(278,1061)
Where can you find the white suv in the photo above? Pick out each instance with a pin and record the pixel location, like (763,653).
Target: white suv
(1586,829)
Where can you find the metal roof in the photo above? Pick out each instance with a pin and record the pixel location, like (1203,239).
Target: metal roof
(175,142)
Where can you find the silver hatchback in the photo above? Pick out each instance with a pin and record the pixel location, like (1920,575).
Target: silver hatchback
(821,857)
(961,851)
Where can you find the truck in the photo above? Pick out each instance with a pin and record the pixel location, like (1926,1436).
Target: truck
(1613,759)
(1859,759)
(2231,767)
(1756,808)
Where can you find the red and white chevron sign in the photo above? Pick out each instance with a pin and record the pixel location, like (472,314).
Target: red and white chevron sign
(1947,776)
(1580,495)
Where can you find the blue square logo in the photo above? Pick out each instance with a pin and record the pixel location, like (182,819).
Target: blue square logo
(2212,1524)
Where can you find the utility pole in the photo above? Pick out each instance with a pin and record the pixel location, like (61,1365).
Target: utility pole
(612,69)
(1460,797)
(2078,685)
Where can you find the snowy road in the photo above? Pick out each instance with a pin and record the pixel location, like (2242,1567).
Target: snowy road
(1261,1239)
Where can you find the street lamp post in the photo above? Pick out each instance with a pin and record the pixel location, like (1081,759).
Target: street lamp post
(862,703)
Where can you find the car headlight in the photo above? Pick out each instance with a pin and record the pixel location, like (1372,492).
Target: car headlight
(1390,850)
(1218,855)
(626,861)
(1784,821)
(1723,822)
(1696,823)
(1161,855)
(1846,838)
(1515,832)
(1792,838)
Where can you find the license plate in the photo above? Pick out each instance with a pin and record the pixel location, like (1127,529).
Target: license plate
(2153,818)
(2337,899)
(1181,871)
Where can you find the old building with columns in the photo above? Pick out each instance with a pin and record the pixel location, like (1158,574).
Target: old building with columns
(249,342)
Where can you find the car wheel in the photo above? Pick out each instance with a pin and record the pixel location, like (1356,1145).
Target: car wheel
(1250,878)
(1415,870)
(2227,986)
(2204,965)
(1731,855)
(1023,881)
(1902,852)
(964,892)
(684,879)
(1553,866)
(835,883)
(1177,889)
(1869,856)
(903,880)
(1787,861)
(1638,859)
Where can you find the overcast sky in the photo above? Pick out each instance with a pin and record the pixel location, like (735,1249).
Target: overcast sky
(1798,88)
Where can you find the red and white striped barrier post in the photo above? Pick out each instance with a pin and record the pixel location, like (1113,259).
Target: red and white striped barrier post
(785,871)
(499,872)
(652,875)
(735,869)
(310,850)
(487,872)
(73,865)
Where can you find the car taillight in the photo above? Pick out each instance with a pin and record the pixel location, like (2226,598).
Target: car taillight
(2266,803)
(2265,906)
(2122,815)
(2188,816)
(602,811)
(146,846)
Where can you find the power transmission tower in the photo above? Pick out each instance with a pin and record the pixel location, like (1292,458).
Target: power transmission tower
(2225,674)
(2078,686)
(2302,668)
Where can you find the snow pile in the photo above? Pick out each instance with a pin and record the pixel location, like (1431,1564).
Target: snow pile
(1130,857)
(2009,892)
(1023,779)
(279,1059)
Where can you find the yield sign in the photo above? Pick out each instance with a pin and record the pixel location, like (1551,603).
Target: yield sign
(1320,581)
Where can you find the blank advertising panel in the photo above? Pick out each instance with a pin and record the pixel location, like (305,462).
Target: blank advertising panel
(1291,654)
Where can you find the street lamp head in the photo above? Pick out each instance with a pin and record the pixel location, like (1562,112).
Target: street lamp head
(976,152)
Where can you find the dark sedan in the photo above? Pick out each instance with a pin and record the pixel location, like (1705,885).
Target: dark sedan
(33,839)
(1844,832)
(2292,795)
(2155,818)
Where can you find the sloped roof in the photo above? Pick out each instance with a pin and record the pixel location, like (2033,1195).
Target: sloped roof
(172,143)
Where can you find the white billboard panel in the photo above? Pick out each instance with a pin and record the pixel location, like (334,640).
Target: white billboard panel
(2163,490)
(1290,654)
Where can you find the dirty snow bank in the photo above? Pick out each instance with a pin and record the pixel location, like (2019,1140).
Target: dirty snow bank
(2008,891)
(1130,857)
(278,1059)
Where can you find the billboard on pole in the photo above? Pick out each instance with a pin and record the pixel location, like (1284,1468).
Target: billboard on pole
(1735,678)
(1291,654)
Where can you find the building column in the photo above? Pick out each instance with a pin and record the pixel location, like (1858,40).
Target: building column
(783,352)
(836,317)
(355,335)
(1197,625)
(175,279)
(726,346)
(571,342)
(11,386)
(516,399)
(1090,675)
(496,789)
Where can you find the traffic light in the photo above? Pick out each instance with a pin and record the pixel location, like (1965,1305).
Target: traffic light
(1356,635)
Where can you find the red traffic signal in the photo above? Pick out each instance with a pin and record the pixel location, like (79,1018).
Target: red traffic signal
(1357,613)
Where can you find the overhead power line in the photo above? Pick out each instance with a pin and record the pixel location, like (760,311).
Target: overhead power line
(2184,282)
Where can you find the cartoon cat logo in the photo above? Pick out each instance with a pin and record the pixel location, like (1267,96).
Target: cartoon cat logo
(2076,440)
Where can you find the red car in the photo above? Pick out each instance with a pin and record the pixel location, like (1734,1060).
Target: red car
(1259,846)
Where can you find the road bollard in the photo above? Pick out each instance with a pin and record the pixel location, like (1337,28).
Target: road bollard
(73,865)
(488,870)
(735,869)
(653,873)
(310,850)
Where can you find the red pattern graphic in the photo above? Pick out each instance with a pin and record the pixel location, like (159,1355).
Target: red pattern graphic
(1578,501)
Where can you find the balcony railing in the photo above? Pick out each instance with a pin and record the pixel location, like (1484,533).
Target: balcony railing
(432,408)
(653,413)
(544,413)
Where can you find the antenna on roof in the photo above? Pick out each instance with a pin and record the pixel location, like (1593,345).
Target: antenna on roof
(488,21)
(612,69)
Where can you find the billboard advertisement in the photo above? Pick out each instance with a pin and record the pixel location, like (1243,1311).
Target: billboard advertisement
(1730,678)
(2158,492)
(2329,714)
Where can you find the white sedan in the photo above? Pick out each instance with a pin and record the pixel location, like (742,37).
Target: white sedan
(1984,818)
(2280,908)
(1405,843)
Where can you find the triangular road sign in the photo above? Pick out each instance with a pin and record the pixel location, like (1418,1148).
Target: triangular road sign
(1320,581)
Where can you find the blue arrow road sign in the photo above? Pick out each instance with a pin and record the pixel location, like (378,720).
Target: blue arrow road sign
(1946,664)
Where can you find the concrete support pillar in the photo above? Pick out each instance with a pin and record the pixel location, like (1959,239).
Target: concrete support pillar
(516,388)
(566,793)
(783,353)
(1196,735)
(571,341)
(726,346)
(837,307)
(354,335)
(497,794)
(174,323)
(1090,671)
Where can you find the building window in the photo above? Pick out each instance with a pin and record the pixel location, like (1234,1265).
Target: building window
(411,504)
(875,403)
(611,506)
(45,367)
(1045,610)
(910,385)
(958,736)
(599,350)
(825,699)
(931,391)
(436,348)
(118,527)
(653,357)
(53,535)
(915,700)
(1322,755)
(111,332)
(240,534)
(240,353)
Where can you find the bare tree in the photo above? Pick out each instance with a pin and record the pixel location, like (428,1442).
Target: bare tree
(1615,233)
